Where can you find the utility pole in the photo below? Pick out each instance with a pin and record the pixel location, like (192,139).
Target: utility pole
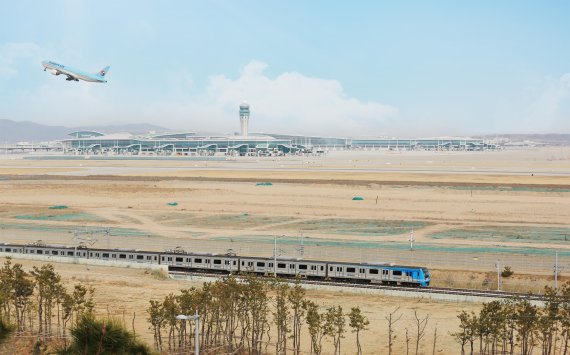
(412,239)
(556,271)
(498,266)
(275,256)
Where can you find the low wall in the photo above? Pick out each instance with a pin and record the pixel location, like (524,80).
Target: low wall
(83,261)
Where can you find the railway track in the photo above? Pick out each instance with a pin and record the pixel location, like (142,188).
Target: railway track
(426,290)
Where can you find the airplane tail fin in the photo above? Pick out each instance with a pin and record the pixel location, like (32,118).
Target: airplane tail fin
(103,71)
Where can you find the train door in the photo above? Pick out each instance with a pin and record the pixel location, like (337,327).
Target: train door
(336,271)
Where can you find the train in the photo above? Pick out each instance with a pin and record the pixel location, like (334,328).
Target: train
(230,263)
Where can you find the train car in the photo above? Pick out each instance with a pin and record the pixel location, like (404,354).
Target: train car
(125,255)
(379,273)
(200,262)
(284,267)
(56,250)
(11,248)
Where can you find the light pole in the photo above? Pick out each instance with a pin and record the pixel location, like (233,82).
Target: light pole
(498,266)
(412,239)
(275,255)
(196,318)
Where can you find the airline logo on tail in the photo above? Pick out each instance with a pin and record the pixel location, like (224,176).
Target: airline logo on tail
(104,71)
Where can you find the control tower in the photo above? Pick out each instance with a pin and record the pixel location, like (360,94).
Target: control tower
(244,118)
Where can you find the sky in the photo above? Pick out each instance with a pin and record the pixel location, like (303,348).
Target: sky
(335,68)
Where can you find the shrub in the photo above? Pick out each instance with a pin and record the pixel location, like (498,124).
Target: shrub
(105,337)
(507,272)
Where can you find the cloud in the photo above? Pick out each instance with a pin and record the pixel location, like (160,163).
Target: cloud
(11,54)
(290,102)
(549,108)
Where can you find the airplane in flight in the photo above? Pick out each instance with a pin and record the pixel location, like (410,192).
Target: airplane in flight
(74,74)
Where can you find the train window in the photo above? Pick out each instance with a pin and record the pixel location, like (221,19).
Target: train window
(169,258)
(62,253)
(114,256)
(350,269)
(105,255)
(69,253)
(313,267)
(155,257)
(291,266)
(374,271)
(97,254)
(242,263)
(281,265)
(338,268)
(270,264)
(302,267)
(396,273)
(217,262)
(148,257)
(122,256)
(188,260)
(207,261)
(90,254)
(260,264)
(8,250)
(130,256)
(362,271)
(250,263)
(179,260)
(234,262)
(227,262)
(140,257)
(40,252)
(331,268)
(198,261)
(384,272)
(322,268)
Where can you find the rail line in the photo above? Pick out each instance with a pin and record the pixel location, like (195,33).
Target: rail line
(427,290)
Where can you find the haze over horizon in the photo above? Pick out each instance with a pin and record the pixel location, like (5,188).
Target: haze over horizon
(363,69)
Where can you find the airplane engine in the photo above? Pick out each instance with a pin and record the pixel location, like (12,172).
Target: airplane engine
(54,72)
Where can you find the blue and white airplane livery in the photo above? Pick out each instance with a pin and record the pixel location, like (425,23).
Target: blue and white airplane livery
(74,74)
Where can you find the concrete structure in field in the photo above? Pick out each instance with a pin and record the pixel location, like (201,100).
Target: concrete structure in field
(244,118)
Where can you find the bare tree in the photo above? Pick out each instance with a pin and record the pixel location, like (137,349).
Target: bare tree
(434,340)
(421,324)
(407,334)
(392,319)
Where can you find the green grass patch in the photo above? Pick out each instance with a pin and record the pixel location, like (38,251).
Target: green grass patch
(508,234)
(366,227)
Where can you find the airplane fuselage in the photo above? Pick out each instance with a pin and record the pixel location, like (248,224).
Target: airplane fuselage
(71,73)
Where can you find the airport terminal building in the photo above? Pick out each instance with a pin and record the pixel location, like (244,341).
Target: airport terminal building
(257,144)
(97,143)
